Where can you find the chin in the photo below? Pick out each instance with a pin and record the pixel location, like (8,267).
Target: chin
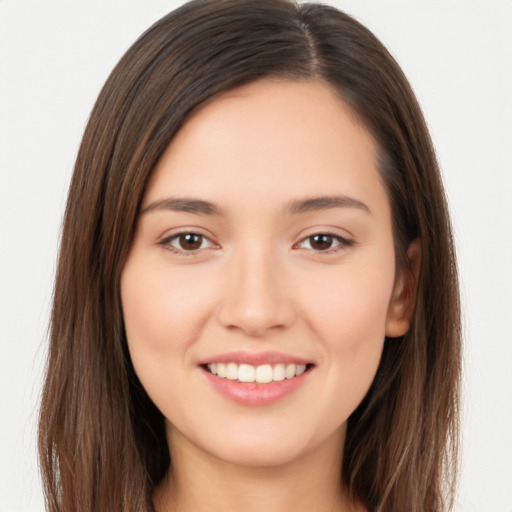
(260,455)
(267,448)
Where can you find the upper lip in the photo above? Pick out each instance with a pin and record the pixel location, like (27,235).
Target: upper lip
(254,358)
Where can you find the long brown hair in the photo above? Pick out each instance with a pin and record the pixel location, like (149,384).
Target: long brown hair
(101,439)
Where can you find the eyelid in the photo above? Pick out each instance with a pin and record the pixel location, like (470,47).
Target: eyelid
(344,242)
(166,240)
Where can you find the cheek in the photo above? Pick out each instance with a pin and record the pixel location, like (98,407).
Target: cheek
(163,315)
(350,302)
(162,309)
(348,314)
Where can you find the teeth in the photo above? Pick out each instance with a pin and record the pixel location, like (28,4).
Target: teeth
(231,371)
(278,373)
(290,371)
(264,373)
(246,373)
(301,368)
(221,370)
(260,374)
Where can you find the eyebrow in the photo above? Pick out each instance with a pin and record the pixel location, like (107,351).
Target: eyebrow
(201,207)
(197,206)
(325,203)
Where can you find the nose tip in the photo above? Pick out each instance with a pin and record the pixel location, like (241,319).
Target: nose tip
(253,325)
(255,301)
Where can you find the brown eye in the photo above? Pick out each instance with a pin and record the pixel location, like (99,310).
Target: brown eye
(325,242)
(186,243)
(321,242)
(190,241)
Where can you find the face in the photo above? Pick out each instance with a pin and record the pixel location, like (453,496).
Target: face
(261,280)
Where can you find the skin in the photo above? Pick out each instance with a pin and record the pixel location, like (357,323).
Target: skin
(258,282)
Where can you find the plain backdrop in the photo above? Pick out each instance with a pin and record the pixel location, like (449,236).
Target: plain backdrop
(55,56)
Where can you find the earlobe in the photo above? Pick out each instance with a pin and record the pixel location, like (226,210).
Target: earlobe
(403,300)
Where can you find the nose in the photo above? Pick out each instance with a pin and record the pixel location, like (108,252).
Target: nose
(256,296)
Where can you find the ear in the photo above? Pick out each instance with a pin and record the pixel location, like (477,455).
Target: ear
(403,299)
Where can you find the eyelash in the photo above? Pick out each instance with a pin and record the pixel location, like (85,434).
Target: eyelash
(166,243)
(343,243)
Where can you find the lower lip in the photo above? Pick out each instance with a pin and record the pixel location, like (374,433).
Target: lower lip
(253,393)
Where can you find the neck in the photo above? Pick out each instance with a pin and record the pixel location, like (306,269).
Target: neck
(201,482)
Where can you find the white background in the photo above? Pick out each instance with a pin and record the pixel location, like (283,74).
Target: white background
(54,57)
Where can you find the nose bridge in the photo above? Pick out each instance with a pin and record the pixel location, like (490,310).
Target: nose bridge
(255,298)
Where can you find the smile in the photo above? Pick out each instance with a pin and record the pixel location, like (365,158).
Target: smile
(256,379)
(261,374)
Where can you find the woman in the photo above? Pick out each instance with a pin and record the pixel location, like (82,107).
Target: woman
(256,302)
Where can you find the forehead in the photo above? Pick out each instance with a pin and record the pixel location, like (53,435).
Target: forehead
(269,140)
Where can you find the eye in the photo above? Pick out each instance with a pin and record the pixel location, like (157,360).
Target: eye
(324,242)
(186,242)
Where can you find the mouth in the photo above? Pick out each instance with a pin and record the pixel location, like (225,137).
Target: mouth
(257,379)
(261,374)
